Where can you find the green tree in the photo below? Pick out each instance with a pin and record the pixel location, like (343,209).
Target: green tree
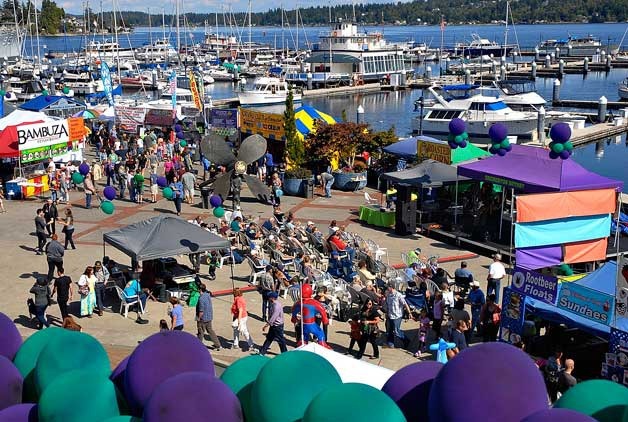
(50,17)
(346,139)
(294,145)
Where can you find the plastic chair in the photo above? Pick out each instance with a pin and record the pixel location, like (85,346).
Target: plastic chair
(125,304)
(369,199)
(256,270)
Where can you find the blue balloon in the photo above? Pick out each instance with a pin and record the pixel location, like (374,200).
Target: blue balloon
(162,182)
(452,144)
(553,155)
(463,144)
(564,154)
(498,132)
(560,132)
(109,192)
(501,152)
(457,126)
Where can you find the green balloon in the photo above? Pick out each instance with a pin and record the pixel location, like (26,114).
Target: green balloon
(139,178)
(77,396)
(26,359)
(458,139)
(44,92)
(66,90)
(568,145)
(168,192)
(219,212)
(465,135)
(183,143)
(505,143)
(287,370)
(107,207)
(77,178)
(558,147)
(71,351)
(370,405)
(603,400)
(240,377)
(451,137)
(2,92)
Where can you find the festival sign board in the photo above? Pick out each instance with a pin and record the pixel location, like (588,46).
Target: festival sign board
(536,285)
(76,128)
(587,303)
(130,118)
(434,151)
(511,322)
(225,118)
(157,117)
(44,134)
(268,125)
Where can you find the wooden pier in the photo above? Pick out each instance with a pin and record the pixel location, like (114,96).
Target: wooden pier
(597,132)
(587,104)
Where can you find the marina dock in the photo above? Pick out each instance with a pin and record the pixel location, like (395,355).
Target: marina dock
(596,132)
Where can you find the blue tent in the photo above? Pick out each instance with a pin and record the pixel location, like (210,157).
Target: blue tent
(406,148)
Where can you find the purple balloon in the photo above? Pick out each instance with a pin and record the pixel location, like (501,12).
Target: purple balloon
(160,357)
(192,397)
(498,132)
(471,377)
(564,154)
(501,152)
(215,201)
(180,135)
(11,338)
(178,128)
(508,148)
(553,155)
(109,192)
(463,144)
(558,415)
(410,386)
(493,149)
(560,132)
(162,182)
(457,126)
(26,412)
(118,374)
(10,384)
(84,169)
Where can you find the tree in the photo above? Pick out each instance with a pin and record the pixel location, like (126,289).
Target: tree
(50,17)
(294,145)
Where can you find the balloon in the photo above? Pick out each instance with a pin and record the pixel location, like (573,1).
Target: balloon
(457,126)
(169,353)
(287,369)
(107,207)
(564,154)
(2,92)
(180,135)
(509,148)
(109,192)
(117,376)
(44,92)
(192,396)
(568,146)
(240,376)
(11,337)
(410,387)
(162,182)
(452,144)
(7,95)
(494,148)
(441,347)
(518,392)
(603,400)
(278,193)
(77,396)
(332,404)
(458,139)
(183,143)
(558,415)
(139,178)
(219,212)
(26,358)
(498,132)
(26,412)
(11,385)
(178,128)
(77,178)
(553,155)
(168,192)
(557,147)
(215,201)
(560,132)
(451,137)
(84,169)
(501,152)
(463,144)
(505,143)
(69,352)
(465,135)
(123,418)
(66,90)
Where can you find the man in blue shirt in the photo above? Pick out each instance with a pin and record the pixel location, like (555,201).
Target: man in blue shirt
(463,272)
(204,317)
(477,299)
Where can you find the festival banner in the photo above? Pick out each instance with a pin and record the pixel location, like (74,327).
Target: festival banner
(224,118)
(34,154)
(587,303)
(195,94)
(157,117)
(434,151)
(105,75)
(45,134)
(76,128)
(511,324)
(536,285)
(268,125)
(130,118)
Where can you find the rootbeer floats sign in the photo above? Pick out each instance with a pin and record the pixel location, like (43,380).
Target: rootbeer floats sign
(535,285)
(588,303)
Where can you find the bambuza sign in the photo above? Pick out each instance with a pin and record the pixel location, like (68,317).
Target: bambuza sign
(42,134)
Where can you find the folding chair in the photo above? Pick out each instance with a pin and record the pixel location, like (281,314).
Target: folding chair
(369,199)
(256,270)
(125,304)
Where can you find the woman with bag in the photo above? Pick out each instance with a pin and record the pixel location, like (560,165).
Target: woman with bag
(368,319)
(68,227)
(490,317)
(86,288)
(240,316)
(41,290)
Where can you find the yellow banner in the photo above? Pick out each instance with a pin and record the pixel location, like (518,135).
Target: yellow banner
(269,125)
(195,95)
(432,151)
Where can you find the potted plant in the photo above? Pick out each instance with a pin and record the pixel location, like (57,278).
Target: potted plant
(294,182)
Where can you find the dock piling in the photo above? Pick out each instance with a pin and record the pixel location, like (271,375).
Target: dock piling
(556,91)
(537,54)
(548,61)
(467,77)
(561,68)
(540,126)
(533,74)
(585,67)
(601,109)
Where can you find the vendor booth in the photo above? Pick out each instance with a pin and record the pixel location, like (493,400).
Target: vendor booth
(54,105)
(425,147)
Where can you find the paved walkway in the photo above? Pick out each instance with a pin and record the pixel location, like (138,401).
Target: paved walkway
(20,267)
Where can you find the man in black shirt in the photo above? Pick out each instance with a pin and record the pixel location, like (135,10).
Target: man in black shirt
(40,230)
(63,288)
(565,379)
(50,215)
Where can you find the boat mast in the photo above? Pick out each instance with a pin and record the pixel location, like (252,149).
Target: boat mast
(178,32)
(250,45)
(282,34)
(37,29)
(117,47)
(506,32)
(150,28)
(296,46)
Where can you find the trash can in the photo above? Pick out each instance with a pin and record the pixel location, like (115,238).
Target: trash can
(206,192)
(309,188)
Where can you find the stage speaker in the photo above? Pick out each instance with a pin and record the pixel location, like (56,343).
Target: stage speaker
(405,209)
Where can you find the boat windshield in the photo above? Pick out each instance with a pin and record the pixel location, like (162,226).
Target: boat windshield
(516,87)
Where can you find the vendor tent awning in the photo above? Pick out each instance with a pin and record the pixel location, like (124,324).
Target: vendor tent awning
(323,57)
(529,169)
(162,237)
(407,148)
(427,173)
(305,119)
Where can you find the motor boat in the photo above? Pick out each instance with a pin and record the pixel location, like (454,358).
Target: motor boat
(623,89)
(481,46)
(518,94)
(576,46)
(266,91)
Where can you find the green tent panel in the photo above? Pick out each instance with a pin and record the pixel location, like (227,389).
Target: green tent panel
(470,152)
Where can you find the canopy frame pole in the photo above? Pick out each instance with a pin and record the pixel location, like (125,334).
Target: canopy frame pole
(512,232)
(456,203)
(231,261)
(501,212)
(619,257)
(301,319)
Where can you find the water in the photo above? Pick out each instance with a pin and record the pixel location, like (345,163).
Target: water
(607,158)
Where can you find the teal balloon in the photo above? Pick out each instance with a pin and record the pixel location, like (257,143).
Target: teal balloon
(44,92)
(71,351)
(219,212)
(66,90)
(505,143)
(568,145)
(451,137)
(603,400)
(458,139)
(168,192)
(77,178)
(26,359)
(107,207)
(240,377)
(465,135)
(303,374)
(558,147)
(78,396)
(183,143)
(352,402)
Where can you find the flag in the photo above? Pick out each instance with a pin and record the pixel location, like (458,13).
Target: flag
(195,94)
(105,75)
(442,24)
(172,81)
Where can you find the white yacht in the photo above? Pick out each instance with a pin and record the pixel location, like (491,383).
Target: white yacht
(481,46)
(266,91)
(518,94)
(623,89)
(479,112)
(159,51)
(576,46)
(109,51)
(23,90)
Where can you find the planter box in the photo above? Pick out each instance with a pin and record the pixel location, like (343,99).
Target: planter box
(296,187)
(350,181)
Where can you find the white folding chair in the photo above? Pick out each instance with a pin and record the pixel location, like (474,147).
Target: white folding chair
(378,252)
(369,199)
(127,301)
(256,270)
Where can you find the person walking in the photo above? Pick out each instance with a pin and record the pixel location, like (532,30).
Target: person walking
(275,185)
(477,300)
(274,326)
(40,231)
(177,196)
(41,290)
(490,317)
(266,287)
(239,323)
(496,272)
(395,306)
(54,255)
(204,317)
(63,289)
(90,189)
(176,315)
(102,276)
(369,318)
(68,228)
(86,288)
(188,180)
(51,214)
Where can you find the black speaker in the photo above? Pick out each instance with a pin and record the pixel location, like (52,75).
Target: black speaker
(405,210)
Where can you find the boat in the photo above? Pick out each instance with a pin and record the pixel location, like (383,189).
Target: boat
(623,89)
(518,94)
(159,51)
(478,111)
(24,90)
(219,74)
(480,47)
(110,51)
(576,46)
(143,80)
(11,42)
(480,64)
(266,91)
